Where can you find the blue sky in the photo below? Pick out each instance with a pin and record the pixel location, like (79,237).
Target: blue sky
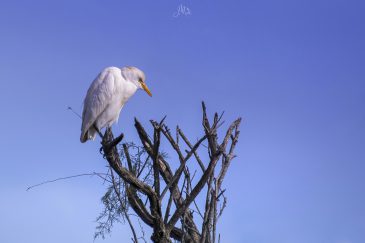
(294,70)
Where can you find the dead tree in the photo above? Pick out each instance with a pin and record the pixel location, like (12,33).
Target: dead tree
(165,199)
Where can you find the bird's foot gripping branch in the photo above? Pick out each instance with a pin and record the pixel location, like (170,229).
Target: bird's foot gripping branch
(162,190)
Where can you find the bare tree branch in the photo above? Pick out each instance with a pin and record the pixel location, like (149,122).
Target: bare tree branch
(117,191)
(141,184)
(68,177)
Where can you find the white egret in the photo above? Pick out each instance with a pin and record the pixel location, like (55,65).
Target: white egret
(106,97)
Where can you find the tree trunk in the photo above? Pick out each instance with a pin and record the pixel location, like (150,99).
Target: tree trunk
(160,236)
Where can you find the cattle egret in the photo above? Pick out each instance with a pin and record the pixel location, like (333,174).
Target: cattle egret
(106,97)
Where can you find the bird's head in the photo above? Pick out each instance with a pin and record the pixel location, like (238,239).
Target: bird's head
(136,76)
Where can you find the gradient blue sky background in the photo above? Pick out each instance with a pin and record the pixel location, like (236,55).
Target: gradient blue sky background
(294,70)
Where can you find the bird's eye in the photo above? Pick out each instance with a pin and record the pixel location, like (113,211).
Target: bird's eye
(140,80)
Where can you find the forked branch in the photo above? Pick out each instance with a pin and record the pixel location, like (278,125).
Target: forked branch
(145,197)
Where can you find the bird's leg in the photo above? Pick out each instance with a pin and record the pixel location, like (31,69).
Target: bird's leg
(108,131)
(101,150)
(98,131)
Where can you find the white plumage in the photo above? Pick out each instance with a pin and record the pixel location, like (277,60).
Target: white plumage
(106,97)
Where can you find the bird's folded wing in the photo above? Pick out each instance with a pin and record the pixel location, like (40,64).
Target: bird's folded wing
(97,99)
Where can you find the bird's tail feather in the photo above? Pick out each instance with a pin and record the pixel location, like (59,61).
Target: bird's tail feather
(90,134)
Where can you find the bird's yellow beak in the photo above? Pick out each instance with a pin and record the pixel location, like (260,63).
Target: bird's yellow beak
(144,86)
